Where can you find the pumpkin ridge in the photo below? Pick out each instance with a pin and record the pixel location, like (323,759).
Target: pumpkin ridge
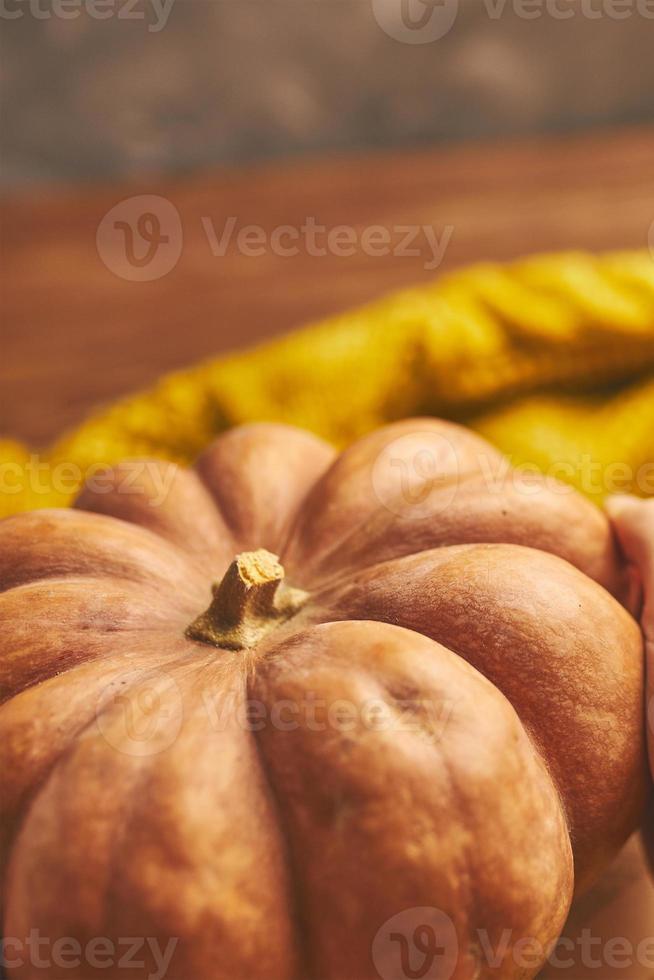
(293,457)
(358,529)
(347,578)
(172,511)
(280,680)
(91,540)
(194,668)
(376,594)
(295,913)
(21,671)
(29,799)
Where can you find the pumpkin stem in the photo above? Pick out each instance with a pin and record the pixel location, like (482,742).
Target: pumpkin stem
(251,600)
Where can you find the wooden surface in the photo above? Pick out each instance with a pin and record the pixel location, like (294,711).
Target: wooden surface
(76,335)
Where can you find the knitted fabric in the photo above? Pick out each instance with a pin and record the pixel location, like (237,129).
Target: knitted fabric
(550,357)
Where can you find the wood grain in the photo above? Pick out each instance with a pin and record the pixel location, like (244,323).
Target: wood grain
(76,335)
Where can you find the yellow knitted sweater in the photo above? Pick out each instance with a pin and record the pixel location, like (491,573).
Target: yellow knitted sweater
(551,358)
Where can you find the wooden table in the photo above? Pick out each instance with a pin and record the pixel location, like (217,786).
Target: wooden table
(75,334)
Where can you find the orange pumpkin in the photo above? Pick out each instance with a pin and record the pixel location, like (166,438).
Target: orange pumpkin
(400,751)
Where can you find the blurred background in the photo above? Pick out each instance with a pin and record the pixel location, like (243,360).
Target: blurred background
(96,89)
(143,140)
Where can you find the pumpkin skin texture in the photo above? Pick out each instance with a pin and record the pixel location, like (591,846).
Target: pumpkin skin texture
(447,713)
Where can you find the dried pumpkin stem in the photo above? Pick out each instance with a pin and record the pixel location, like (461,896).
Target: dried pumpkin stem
(251,600)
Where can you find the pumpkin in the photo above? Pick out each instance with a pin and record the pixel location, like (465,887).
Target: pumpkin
(313,716)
